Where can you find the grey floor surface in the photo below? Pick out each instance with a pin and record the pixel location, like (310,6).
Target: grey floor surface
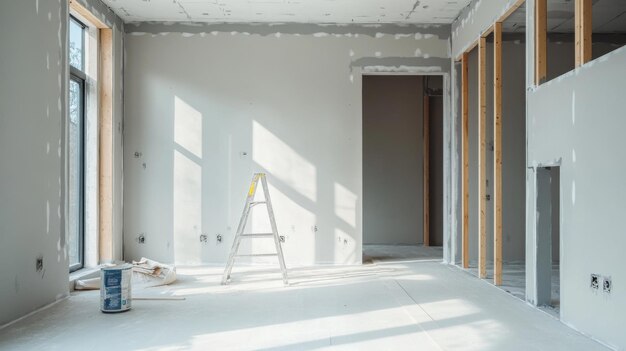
(411,302)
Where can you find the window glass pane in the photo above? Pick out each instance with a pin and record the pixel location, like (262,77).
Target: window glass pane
(76,45)
(75,176)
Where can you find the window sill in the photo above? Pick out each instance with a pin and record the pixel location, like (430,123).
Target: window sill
(83,273)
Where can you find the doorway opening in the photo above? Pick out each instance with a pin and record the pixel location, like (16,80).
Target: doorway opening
(548,238)
(402,167)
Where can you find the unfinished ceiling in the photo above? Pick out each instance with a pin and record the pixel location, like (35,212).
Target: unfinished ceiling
(609,16)
(300,11)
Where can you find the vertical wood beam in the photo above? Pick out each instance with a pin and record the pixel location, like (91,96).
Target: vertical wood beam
(426,167)
(105,148)
(497,145)
(465,158)
(482,157)
(541,35)
(583,31)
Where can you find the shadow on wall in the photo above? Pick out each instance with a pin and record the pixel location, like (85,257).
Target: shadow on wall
(206,176)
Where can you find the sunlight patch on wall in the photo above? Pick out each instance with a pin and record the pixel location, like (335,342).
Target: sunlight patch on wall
(345,204)
(187,127)
(187,209)
(283,162)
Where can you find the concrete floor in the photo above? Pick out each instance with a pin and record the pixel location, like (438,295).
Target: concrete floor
(403,304)
(514,282)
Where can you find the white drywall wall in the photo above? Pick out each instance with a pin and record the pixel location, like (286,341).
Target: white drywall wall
(33,80)
(33,100)
(577,120)
(197,97)
(393,113)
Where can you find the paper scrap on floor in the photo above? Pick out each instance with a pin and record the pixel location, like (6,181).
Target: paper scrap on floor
(146,273)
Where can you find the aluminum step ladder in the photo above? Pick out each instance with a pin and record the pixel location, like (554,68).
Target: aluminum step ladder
(242,225)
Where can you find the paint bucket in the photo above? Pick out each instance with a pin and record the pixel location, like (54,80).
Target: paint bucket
(115,292)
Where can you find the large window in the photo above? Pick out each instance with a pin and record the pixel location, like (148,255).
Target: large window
(76,215)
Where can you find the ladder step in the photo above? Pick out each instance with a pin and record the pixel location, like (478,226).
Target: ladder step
(258,235)
(258,181)
(256,255)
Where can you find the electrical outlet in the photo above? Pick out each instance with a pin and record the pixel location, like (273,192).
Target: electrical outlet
(39,264)
(204,238)
(595,281)
(141,238)
(607,284)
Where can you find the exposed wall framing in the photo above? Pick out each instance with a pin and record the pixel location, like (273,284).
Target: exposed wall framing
(482,157)
(583,31)
(105,149)
(541,34)
(497,146)
(465,158)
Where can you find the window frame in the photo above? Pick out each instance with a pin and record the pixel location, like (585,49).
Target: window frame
(80,77)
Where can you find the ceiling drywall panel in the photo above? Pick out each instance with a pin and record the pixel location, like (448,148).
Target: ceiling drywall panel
(299,11)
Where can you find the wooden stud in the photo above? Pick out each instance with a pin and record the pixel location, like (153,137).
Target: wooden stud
(482,157)
(465,158)
(497,146)
(105,149)
(583,31)
(541,35)
(426,167)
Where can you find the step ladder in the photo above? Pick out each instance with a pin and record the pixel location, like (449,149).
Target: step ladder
(242,225)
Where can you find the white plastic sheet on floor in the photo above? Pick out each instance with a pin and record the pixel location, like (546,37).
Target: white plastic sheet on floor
(146,273)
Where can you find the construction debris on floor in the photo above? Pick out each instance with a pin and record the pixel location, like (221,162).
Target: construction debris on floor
(146,273)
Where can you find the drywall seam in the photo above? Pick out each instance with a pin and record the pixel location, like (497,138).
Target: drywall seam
(403,64)
(419,32)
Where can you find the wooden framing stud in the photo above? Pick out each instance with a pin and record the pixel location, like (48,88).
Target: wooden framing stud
(497,146)
(105,148)
(583,31)
(482,157)
(541,37)
(465,158)
(426,149)
(80,9)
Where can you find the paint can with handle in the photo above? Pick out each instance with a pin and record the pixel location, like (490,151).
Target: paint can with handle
(115,292)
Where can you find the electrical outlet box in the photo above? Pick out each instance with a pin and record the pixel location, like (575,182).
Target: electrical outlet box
(607,284)
(595,281)
(204,238)
(141,238)
(39,264)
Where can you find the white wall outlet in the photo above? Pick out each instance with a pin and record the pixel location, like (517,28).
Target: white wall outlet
(595,281)
(607,284)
